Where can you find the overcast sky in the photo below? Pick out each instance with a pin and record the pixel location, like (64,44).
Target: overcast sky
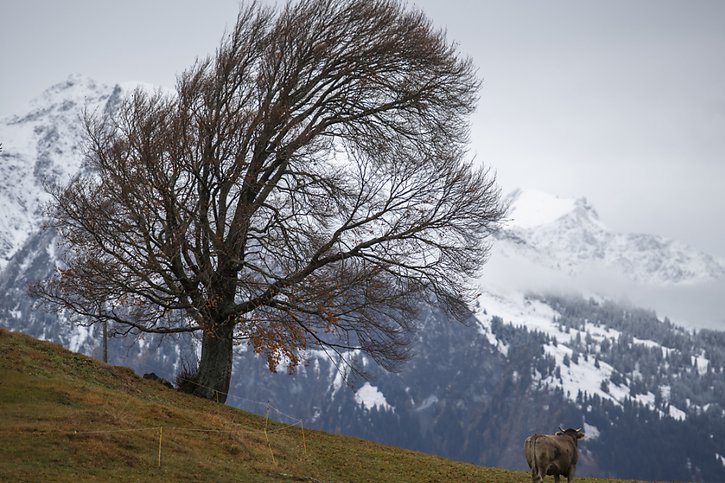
(619,101)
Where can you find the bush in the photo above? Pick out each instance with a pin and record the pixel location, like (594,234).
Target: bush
(187,377)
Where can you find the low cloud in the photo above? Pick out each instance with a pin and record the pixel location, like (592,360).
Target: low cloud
(695,306)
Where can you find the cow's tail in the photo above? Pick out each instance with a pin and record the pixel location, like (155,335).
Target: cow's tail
(536,463)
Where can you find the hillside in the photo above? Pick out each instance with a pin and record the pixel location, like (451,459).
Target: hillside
(68,417)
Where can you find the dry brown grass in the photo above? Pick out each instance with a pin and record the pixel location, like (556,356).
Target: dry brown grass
(66,417)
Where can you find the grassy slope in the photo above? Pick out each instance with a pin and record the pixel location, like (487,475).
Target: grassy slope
(51,400)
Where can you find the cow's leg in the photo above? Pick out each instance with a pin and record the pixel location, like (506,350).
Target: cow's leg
(556,478)
(572,472)
(536,476)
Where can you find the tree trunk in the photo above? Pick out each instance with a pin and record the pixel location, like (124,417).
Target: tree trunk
(215,366)
(105,341)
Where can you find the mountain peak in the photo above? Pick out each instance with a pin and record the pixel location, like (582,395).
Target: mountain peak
(77,89)
(531,208)
(565,234)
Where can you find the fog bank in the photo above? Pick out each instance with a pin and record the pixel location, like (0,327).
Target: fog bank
(695,306)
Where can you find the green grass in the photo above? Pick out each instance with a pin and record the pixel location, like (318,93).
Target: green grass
(66,417)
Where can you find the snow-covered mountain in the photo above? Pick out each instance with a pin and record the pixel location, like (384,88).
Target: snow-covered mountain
(532,357)
(567,235)
(554,244)
(41,147)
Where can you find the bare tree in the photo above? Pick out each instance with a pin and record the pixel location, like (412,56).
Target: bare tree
(307,186)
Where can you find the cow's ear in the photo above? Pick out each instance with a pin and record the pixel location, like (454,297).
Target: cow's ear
(579,434)
(559,433)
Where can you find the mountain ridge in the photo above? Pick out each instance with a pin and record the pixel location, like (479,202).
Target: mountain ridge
(569,236)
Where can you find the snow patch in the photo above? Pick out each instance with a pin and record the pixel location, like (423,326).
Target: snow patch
(677,414)
(369,397)
(701,363)
(646,399)
(80,336)
(428,402)
(592,432)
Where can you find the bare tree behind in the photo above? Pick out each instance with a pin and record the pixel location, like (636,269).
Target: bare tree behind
(307,186)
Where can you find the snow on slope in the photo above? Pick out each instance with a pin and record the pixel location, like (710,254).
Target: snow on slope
(582,376)
(42,146)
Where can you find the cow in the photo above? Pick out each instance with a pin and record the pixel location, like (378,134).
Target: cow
(553,454)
